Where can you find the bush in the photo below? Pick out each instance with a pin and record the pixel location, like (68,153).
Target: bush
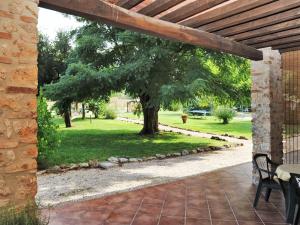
(224,113)
(30,215)
(48,138)
(96,107)
(175,106)
(110,114)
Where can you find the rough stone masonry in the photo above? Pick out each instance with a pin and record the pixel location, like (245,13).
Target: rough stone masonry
(267,106)
(18,89)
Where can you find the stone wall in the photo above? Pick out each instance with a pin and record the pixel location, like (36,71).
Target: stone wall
(18,88)
(267,106)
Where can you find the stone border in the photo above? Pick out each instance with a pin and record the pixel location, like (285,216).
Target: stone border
(113,162)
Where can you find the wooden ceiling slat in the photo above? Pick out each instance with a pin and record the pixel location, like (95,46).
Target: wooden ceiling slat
(277,42)
(223,11)
(190,9)
(158,6)
(128,4)
(267,30)
(263,22)
(285,46)
(111,14)
(289,49)
(279,35)
(257,13)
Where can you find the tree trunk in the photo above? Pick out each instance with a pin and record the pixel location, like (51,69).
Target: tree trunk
(150,117)
(67,118)
(225,121)
(83,111)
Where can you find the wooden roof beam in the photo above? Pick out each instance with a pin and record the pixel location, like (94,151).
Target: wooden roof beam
(274,9)
(222,11)
(189,9)
(127,4)
(108,13)
(158,6)
(287,46)
(271,37)
(292,49)
(267,30)
(281,41)
(263,22)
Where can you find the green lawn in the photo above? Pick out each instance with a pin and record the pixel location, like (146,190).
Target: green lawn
(209,124)
(104,138)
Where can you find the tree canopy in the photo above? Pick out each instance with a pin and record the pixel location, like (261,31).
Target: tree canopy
(156,71)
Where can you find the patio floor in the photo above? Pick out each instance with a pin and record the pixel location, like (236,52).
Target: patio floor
(221,197)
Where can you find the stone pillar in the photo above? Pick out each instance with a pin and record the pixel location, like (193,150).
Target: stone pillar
(267,106)
(18,106)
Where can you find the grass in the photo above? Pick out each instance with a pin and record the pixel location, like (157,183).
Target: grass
(29,215)
(104,138)
(209,124)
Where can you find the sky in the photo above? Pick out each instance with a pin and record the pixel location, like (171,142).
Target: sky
(50,22)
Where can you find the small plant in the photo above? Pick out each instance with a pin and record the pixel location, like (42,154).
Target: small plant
(48,137)
(224,113)
(110,114)
(30,215)
(138,110)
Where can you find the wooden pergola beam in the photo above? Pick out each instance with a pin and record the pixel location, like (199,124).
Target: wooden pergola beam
(287,46)
(158,6)
(263,22)
(289,49)
(190,9)
(271,37)
(284,26)
(108,13)
(223,11)
(281,41)
(128,4)
(270,14)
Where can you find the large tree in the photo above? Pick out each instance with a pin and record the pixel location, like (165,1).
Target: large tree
(53,60)
(156,71)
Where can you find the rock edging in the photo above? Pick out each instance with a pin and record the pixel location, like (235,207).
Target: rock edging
(113,161)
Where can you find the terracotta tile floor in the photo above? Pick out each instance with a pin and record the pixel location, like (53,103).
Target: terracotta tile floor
(222,197)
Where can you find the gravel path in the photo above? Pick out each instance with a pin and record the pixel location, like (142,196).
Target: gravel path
(83,184)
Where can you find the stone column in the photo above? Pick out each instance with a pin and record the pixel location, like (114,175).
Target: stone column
(18,106)
(267,106)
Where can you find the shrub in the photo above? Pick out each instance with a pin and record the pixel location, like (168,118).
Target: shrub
(224,113)
(96,107)
(175,107)
(48,138)
(30,215)
(110,114)
(138,110)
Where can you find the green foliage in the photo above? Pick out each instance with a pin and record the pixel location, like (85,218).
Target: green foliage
(158,72)
(174,106)
(30,215)
(97,107)
(48,137)
(138,110)
(53,57)
(109,113)
(224,113)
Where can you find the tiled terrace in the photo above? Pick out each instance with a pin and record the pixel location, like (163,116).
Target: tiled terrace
(222,197)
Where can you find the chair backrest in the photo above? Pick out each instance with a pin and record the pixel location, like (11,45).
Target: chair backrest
(261,162)
(295,181)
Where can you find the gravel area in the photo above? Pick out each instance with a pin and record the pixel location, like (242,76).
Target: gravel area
(83,184)
(76,185)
